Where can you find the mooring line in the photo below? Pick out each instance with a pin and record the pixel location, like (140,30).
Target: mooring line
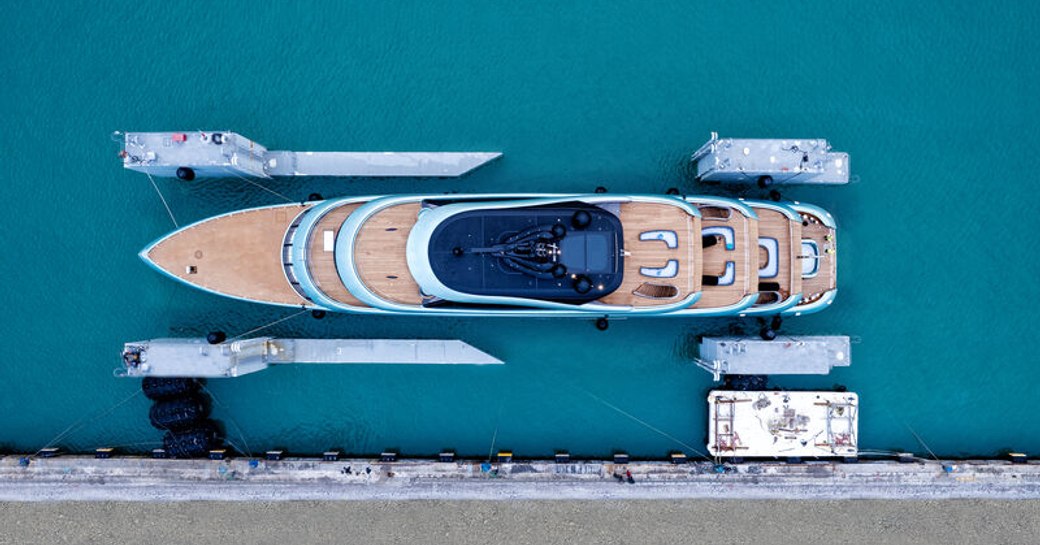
(923,444)
(494,436)
(271,191)
(86,419)
(644,423)
(238,429)
(163,199)
(265,326)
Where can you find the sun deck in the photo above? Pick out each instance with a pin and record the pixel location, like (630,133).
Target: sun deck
(321,253)
(380,254)
(825,240)
(778,235)
(734,260)
(639,289)
(236,254)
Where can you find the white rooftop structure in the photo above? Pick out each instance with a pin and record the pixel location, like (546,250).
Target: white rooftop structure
(776,424)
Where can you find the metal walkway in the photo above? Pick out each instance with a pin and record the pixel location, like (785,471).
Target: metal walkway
(199,359)
(226,154)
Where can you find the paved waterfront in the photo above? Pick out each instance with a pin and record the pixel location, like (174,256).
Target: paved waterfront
(716,522)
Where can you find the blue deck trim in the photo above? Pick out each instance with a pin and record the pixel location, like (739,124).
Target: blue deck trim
(722,202)
(299,254)
(815,306)
(728,310)
(776,308)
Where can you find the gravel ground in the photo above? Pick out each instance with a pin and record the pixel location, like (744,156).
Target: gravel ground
(571,522)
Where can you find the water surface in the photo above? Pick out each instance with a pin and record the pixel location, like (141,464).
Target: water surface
(936,102)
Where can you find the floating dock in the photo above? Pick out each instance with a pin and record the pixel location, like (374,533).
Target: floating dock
(815,355)
(199,359)
(227,154)
(767,161)
(771,424)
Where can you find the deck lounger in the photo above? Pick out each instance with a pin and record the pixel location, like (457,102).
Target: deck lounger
(725,232)
(810,258)
(656,291)
(669,270)
(669,238)
(772,266)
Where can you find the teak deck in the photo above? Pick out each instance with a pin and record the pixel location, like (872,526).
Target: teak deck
(773,224)
(826,279)
(322,263)
(640,217)
(744,257)
(380,254)
(238,254)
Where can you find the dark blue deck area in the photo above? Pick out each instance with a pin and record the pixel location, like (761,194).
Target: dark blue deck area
(569,253)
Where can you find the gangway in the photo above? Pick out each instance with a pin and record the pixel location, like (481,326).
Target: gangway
(195,357)
(227,154)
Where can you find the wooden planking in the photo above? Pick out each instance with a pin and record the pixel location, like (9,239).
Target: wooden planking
(380,254)
(776,225)
(826,279)
(322,264)
(744,257)
(238,255)
(640,217)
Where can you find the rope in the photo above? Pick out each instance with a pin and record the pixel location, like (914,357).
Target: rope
(163,199)
(494,436)
(923,444)
(85,419)
(271,191)
(265,326)
(234,423)
(645,424)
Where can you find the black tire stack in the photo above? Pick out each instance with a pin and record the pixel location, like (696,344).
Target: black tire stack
(182,411)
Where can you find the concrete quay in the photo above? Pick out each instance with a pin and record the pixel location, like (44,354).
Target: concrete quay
(73,478)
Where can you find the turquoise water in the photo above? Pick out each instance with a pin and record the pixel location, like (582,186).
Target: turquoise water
(936,102)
